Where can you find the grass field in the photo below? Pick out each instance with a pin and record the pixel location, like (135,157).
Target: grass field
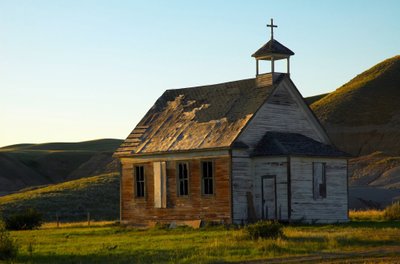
(106,242)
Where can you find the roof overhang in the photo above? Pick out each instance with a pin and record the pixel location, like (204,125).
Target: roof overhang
(269,57)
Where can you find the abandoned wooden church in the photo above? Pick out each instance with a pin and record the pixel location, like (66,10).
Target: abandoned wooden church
(233,152)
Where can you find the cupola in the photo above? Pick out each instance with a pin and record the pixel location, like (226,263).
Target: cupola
(272,51)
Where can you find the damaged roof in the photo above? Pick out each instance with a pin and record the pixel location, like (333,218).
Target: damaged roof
(279,143)
(202,117)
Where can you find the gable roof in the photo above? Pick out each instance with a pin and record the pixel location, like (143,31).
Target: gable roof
(278,143)
(202,117)
(272,47)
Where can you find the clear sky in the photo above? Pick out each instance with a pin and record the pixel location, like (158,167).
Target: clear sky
(80,70)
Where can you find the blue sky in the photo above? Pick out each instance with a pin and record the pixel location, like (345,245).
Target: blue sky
(80,70)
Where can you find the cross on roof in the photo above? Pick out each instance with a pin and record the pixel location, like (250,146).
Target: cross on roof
(272,28)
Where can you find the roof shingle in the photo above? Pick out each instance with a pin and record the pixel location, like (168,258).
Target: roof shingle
(196,118)
(272,47)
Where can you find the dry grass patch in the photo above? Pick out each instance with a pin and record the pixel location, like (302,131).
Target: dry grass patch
(366,215)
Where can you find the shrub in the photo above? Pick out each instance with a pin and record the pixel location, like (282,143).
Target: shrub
(8,247)
(27,220)
(265,229)
(392,212)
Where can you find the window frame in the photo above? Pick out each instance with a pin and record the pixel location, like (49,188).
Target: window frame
(202,178)
(178,180)
(317,195)
(135,179)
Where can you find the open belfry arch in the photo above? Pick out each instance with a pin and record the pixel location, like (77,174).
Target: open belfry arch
(272,51)
(233,152)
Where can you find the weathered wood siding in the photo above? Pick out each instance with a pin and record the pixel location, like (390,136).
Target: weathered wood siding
(246,177)
(334,207)
(272,167)
(266,79)
(284,111)
(242,183)
(195,206)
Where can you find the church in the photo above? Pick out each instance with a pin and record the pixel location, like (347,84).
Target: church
(234,152)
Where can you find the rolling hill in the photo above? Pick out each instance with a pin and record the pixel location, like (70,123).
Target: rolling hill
(71,201)
(27,165)
(363,115)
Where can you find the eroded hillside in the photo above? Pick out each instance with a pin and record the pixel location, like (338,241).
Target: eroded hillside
(363,116)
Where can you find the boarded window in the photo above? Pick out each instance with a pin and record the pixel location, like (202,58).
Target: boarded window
(207,171)
(183,178)
(319,180)
(139,181)
(160,184)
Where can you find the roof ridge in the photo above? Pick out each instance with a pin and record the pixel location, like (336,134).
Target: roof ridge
(208,85)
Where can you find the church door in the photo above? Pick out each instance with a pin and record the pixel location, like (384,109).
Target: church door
(268,197)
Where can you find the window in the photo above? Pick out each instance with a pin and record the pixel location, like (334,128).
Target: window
(183,178)
(139,180)
(207,171)
(319,180)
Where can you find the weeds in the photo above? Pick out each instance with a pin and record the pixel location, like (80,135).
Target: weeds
(392,212)
(264,229)
(8,247)
(366,215)
(27,220)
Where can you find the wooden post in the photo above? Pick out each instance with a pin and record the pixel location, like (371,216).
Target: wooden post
(288,66)
(57,220)
(257,69)
(88,218)
(272,65)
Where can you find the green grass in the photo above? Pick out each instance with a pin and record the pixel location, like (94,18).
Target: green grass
(114,244)
(70,200)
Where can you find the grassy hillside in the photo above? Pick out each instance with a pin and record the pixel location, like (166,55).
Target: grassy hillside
(22,175)
(71,200)
(372,97)
(363,116)
(312,99)
(26,165)
(92,145)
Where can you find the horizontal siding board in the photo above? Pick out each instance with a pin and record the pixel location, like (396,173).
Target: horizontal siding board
(194,206)
(283,112)
(330,209)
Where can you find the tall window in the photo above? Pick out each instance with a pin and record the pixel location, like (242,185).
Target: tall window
(319,180)
(139,180)
(207,171)
(183,178)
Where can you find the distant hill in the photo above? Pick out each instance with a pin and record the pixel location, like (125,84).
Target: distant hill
(106,144)
(363,116)
(71,201)
(312,99)
(26,165)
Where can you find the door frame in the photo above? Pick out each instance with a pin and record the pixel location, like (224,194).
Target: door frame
(262,196)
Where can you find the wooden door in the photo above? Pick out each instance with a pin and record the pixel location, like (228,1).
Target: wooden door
(268,197)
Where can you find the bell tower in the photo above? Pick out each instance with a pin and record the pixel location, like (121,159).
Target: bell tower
(272,51)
